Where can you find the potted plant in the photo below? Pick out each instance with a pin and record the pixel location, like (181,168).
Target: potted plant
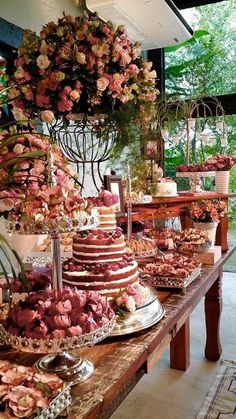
(206,215)
(222,165)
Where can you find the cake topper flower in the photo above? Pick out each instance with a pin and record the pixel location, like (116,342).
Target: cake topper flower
(82,65)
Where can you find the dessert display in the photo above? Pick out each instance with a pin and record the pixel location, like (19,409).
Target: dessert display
(174,266)
(166,187)
(67,313)
(162,237)
(143,247)
(106,207)
(100,263)
(191,240)
(28,393)
(38,195)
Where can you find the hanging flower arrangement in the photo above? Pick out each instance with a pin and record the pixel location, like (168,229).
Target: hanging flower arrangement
(82,65)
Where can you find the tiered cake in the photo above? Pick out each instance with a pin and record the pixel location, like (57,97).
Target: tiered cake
(99,262)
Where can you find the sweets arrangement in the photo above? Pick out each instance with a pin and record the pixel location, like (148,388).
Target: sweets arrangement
(191,241)
(66,313)
(175,266)
(142,247)
(26,392)
(65,243)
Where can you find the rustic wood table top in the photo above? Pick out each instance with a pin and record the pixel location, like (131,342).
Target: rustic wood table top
(121,361)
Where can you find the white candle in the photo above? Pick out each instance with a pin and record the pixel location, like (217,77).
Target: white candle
(128,179)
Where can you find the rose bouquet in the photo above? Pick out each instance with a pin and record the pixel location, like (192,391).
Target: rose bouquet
(25,391)
(82,65)
(206,211)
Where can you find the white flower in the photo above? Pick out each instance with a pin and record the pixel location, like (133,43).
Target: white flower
(43,62)
(18,149)
(130,304)
(47,116)
(102,83)
(81,58)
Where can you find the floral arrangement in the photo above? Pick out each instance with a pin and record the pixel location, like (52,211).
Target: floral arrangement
(215,163)
(82,65)
(25,391)
(66,313)
(25,177)
(206,211)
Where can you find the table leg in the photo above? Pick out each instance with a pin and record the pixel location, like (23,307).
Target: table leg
(180,348)
(222,233)
(213,308)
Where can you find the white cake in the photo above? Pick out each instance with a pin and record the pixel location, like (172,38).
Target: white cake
(167,188)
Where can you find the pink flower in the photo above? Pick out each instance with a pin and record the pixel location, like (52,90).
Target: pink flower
(42,101)
(64,105)
(17,374)
(52,380)
(23,400)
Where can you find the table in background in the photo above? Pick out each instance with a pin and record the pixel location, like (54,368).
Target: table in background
(164,208)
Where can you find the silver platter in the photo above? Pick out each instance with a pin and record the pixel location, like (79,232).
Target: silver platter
(141,319)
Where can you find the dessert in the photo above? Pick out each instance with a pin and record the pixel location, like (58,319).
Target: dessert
(66,313)
(100,263)
(106,206)
(46,244)
(172,267)
(142,247)
(166,187)
(191,240)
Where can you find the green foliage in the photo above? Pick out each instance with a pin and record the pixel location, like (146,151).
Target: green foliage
(205,64)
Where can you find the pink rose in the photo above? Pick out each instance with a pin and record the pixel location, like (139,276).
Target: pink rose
(102,83)
(52,380)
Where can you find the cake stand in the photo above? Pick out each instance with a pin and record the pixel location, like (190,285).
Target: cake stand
(59,358)
(195,179)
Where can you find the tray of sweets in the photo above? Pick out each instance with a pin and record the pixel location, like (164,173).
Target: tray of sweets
(171,281)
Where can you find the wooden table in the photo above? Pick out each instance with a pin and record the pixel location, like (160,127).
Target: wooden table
(121,362)
(164,208)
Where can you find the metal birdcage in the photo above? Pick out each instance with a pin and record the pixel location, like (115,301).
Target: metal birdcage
(86,143)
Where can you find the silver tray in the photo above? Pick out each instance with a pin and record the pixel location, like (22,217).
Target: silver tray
(171,282)
(193,248)
(144,317)
(57,405)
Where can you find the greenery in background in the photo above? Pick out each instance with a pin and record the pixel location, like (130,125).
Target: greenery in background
(205,65)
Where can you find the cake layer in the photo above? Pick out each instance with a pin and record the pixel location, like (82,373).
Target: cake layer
(91,239)
(101,285)
(167,188)
(93,257)
(107,275)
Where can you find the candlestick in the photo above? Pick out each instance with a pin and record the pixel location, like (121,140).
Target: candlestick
(129,205)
